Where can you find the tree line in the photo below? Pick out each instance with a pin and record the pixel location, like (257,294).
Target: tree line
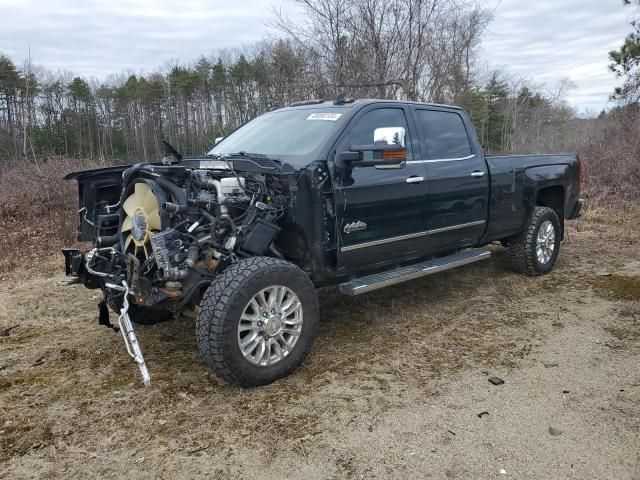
(424,50)
(42,113)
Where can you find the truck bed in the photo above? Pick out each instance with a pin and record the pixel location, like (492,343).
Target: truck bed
(518,180)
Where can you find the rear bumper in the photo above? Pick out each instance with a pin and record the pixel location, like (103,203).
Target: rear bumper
(577,210)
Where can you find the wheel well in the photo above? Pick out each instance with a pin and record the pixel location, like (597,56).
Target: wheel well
(295,247)
(553,197)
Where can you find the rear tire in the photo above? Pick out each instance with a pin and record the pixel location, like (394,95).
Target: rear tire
(254,305)
(535,251)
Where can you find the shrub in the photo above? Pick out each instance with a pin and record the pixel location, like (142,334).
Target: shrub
(38,209)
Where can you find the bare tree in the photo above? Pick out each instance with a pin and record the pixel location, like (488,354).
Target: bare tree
(413,49)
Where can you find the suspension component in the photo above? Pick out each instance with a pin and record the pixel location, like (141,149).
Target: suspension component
(129,336)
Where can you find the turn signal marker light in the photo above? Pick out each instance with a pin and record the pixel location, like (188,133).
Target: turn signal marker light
(394,155)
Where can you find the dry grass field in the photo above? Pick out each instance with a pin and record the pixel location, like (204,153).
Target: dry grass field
(396,386)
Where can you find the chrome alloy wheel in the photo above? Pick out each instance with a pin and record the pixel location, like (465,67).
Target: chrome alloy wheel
(270,325)
(545,242)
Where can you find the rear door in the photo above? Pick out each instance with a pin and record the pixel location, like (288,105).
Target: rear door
(381,212)
(458,178)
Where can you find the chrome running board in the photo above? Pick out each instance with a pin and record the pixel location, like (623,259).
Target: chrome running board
(399,275)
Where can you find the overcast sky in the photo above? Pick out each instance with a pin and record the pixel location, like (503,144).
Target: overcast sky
(548,40)
(545,40)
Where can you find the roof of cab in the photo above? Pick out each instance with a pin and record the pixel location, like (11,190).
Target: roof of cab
(361,103)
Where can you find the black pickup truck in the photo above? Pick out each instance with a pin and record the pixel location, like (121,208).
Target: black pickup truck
(364,194)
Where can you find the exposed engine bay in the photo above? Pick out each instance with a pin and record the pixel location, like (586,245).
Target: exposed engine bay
(176,227)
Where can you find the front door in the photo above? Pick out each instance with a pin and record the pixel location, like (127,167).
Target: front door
(381,212)
(458,179)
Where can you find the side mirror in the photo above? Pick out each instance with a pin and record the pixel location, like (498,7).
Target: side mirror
(389,136)
(376,155)
(387,150)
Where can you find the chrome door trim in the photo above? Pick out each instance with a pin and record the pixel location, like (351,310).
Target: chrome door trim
(435,160)
(456,227)
(410,236)
(383,241)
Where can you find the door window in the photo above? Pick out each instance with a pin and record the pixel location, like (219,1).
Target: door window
(443,134)
(380,125)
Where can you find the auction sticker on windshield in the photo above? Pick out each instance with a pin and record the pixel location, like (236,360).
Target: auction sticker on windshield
(332,117)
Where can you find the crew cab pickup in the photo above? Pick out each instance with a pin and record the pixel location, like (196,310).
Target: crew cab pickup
(359,193)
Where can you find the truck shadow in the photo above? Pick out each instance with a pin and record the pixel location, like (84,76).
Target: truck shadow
(356,334)
(419,318)
(336,308)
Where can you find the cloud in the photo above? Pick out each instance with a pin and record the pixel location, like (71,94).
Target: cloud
(96,38)
(545,40)
(548,40)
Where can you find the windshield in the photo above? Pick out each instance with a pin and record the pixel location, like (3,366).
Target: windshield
(293,136)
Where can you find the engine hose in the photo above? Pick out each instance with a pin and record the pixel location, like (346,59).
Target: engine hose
(229,220)
(275,251)
(174,274)
(145,171)
(178,194)
(216,186)
(187,298)
(212,221)
(174,207)
(107,240)
(126,174)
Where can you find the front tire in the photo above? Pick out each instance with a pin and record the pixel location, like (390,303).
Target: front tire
(535,251)
(257,321)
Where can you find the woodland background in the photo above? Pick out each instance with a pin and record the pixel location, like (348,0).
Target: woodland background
(53,122)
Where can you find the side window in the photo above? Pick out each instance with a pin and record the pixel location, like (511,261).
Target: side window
(443,134)
(380,125)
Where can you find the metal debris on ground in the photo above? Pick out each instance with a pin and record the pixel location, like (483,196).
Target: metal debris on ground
(554,431)
(551,365)
(496,380)
(7,331)
(482,414)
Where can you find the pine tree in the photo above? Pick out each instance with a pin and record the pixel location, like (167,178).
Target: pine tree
(626,63)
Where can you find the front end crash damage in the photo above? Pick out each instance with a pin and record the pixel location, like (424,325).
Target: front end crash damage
(162,233)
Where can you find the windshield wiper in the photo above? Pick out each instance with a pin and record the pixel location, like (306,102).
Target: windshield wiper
(251,162)
(241,153)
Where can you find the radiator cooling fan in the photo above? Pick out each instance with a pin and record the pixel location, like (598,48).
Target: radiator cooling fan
(142,217)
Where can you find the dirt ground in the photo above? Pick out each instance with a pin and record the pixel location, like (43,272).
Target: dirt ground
(396,386)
